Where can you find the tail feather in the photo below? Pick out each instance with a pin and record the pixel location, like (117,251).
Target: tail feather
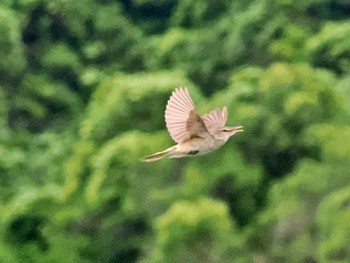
(157,156)
(154,157)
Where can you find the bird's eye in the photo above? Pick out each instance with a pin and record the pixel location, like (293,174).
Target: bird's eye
(224,130)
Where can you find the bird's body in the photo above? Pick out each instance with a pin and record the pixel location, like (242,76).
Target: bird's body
(194,135)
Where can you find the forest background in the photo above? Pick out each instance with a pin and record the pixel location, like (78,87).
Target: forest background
(83,89)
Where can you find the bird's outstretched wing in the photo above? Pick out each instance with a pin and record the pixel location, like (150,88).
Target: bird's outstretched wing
(181,119)
(215,120)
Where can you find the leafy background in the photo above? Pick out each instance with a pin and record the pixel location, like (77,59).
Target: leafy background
(83,89)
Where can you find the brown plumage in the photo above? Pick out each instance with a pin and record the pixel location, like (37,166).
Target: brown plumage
(193,134)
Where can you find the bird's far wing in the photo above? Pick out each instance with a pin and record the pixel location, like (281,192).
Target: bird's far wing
(181,119)
(215,120)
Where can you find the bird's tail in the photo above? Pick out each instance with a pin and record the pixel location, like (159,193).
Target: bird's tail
(159,155)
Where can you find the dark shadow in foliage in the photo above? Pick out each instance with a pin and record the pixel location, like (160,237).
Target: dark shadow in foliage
(31,33)
(133,227)
(152,16)
(333,10)
(226,191)
(279,163)
(26,229)
(124,237)
(126,256)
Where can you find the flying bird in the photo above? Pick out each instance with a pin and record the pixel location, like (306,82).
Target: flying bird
(194,135)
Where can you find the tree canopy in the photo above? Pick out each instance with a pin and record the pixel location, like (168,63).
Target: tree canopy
(83,90)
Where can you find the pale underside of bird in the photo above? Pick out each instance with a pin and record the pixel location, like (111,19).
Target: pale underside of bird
(194,135)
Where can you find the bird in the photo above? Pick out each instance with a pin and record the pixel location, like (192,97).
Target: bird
(194,134)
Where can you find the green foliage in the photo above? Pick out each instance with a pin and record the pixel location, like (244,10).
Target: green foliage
(329,139)
(196,231)
(290,46)
(60,57)
(83,90)
(293,220)
(39,88)
(122,98)
(118,105)
(113,158)
(226,176)
(300,6)
(212,50)
(279,104)
(334,218)
(12,61)
(290,220)
(330,47)
(198,13)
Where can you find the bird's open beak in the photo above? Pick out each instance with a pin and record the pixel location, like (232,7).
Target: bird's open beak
(236,129)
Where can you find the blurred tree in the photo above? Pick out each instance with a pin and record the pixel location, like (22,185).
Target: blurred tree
(333,219)
(289,223)
(198,13)
(197,232)
(39,101)
(104,165)
(84,83)
(118,105)
(12,62)
(278,104)
(152,16)
(330,47)
(226,176)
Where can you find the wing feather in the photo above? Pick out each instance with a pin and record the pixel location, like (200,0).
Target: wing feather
(182,121)
(215,120)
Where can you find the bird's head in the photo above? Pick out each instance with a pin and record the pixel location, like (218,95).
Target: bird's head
(226,132)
